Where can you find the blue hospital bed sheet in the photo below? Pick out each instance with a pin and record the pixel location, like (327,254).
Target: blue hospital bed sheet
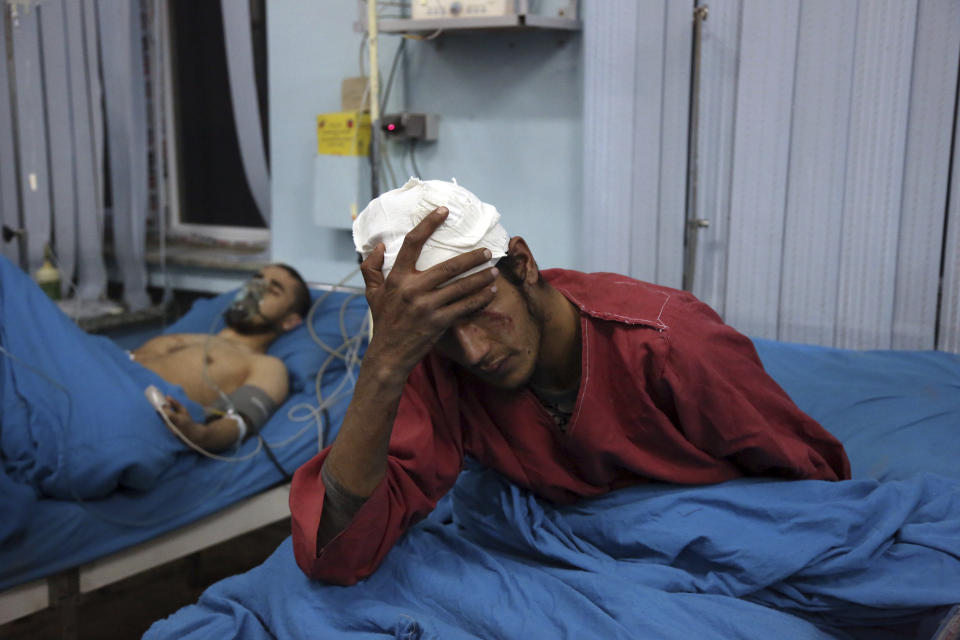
(751,558)
(745,559)
(91,475)
(896,412)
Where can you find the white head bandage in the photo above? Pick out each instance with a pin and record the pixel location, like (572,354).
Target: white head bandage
(471,224)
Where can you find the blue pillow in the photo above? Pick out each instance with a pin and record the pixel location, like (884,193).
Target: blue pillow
(296,348)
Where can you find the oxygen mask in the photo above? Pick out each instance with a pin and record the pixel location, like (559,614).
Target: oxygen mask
(245,307)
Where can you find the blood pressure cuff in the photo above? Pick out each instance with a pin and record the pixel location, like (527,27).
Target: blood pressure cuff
(252,403)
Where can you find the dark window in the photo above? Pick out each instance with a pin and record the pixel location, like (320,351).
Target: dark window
(213,187)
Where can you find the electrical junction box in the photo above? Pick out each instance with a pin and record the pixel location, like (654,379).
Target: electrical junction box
(423,9)
(409,126)
(344,133)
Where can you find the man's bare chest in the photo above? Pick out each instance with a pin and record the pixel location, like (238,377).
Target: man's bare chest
(197,362)
(190,345)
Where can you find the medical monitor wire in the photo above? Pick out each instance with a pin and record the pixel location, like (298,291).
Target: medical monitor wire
(348,351)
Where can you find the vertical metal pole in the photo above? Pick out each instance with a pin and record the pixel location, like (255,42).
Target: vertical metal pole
(694,224)
(159,95)
(14,225)
(372,34)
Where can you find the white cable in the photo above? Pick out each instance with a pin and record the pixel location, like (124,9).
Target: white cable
(296,413)
(348,351)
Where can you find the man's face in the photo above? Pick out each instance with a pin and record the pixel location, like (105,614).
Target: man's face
(499,344)
(277,301)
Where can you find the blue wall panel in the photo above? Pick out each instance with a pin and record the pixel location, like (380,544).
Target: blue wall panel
(510,129)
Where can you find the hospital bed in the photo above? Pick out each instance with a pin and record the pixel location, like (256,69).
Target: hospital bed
(874,557)
(123,495)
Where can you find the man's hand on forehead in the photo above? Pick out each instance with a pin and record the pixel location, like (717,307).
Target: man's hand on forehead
(409,312)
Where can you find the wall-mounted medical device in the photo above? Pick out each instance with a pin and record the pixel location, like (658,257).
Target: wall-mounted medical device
(421,9)
(427,9)
(409,126)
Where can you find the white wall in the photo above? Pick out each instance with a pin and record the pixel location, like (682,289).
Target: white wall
(510,128)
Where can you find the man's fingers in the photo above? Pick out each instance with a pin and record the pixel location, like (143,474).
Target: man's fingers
(372,268)
(413,241)
(467,305)
(440,273)
(464,287)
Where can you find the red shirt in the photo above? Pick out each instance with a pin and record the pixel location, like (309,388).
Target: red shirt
(668,393)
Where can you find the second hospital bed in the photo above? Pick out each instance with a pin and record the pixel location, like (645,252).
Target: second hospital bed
(129,496)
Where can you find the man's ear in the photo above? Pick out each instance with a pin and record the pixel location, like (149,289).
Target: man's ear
(527,270)
(291,321)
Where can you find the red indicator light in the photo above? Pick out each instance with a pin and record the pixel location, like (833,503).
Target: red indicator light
(349,124)
(391,127)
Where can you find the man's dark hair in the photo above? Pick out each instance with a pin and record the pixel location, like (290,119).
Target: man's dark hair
(301,293)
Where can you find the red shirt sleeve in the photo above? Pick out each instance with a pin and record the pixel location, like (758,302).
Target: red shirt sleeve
(727,405)
(425,456)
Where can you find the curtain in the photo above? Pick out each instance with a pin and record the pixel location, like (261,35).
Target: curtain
(9,198)
(121,47)
(77,72)
(87,121)
(31,132)
(246,108)
(59,130)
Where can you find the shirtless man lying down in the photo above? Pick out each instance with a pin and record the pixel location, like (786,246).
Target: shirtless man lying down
(242,384)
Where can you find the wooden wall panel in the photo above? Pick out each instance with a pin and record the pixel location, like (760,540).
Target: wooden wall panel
(718,91)
(926,174)
(609,79)
(880,101)
(818,157)
(948,329)
(649,37)
(674,131)
(761,146)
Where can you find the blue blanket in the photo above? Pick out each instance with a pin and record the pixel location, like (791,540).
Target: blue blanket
(745,559)
(75,422)
(750,558)
(896,412)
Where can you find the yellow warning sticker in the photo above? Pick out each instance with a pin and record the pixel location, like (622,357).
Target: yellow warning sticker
(346,133)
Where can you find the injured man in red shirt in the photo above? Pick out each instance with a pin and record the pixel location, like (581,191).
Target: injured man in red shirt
(569,384)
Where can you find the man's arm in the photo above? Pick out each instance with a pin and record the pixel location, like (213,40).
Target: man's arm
(409,316)
(728,406)
(269,374)
(267,386)
(410,313)
(214,436)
